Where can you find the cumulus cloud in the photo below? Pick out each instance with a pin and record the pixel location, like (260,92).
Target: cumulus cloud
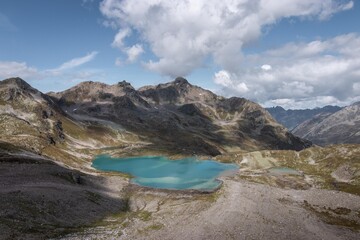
(223,78)
(134,52)
(315,73)
(266,67)
(182,34)
(14,69)
(119,38)
(227,80)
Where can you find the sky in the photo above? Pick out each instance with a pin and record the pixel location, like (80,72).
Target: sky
(292,53)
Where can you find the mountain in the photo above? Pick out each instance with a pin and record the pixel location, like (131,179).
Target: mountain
(28,116)
(36,122)
(340,127)
(179,117)
(291,118)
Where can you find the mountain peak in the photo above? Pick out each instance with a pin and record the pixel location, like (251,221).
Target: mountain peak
(126,85)
(355,104)
(181,80)
(16,81)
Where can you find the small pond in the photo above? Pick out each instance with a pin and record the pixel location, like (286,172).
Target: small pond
(161,172)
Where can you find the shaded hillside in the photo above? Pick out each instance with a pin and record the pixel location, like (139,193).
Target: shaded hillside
(340,127)
(291,118)
(40,199)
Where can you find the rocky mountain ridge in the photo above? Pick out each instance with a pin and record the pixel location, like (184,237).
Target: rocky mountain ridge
(291,118)
(340,127)
(181,117)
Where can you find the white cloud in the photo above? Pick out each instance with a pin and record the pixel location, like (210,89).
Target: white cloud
(307,73)
(134,52)
(182,34)
(223,78)
(65,73)
(75,62)
(311,102)
(266,67)
(120,37)
(242,87)
(17,69)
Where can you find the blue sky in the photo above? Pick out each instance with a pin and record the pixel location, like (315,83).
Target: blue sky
(295,55)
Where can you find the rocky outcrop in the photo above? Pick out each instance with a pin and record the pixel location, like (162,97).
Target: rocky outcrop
(28,117)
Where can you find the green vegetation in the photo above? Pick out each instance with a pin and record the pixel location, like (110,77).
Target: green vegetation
(94,197)
(154,227)
(333,216)
(144,215)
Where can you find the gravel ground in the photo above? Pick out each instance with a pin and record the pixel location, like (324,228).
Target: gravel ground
(240,210)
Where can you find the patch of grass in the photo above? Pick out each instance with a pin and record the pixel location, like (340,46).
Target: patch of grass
(8,147)
(154,227)
(329,218)
(94,197)
(144,215)
(209,196)
(340,210)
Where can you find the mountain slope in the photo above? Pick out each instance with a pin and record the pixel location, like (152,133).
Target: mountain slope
(291,118)
(34,121)
(180,117)
(340,127)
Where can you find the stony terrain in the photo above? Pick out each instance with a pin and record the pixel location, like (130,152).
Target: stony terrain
(293,117)
(41,199)
(304,203)
(318,199)
(340,127)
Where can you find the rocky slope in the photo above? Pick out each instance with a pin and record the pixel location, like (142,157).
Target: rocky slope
(340,127)
(180,117)
(40,199)
(291,118)
(34,121)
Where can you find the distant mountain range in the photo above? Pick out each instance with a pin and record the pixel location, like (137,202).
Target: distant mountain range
(292,118)
(322,126)
(342,126)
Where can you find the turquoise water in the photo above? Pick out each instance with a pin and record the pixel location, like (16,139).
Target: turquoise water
(160,172)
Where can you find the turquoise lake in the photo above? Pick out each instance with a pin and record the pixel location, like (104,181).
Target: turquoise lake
(161,172)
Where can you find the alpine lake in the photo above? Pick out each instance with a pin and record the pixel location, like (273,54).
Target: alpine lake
(163,173)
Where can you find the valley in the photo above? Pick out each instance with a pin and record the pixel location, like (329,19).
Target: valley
(285,187)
